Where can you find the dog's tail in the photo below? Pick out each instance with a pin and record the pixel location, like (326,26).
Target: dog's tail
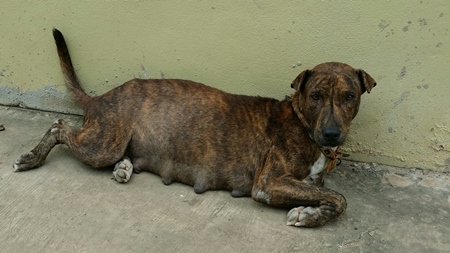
(72,83)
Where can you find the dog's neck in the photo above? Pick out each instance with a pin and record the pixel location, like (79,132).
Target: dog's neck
(297,110)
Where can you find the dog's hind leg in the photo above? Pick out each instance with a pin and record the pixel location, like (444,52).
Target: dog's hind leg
(91,144)
(36,157)
(123,170)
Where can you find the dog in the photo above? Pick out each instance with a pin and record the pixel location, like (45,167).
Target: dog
(276,152)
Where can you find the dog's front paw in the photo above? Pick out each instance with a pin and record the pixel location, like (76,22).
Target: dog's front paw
(27,161)
(303,216)
(123,170)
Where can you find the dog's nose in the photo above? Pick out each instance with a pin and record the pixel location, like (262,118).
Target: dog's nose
(331,134)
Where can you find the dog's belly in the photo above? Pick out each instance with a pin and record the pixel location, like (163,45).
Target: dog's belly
(202,176)
(197,135)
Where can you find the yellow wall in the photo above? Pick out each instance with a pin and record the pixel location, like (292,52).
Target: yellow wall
(248,47)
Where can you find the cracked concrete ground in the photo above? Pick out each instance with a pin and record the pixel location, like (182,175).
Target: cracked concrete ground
(65,206)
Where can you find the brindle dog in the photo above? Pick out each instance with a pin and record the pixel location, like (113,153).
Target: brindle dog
(274,151)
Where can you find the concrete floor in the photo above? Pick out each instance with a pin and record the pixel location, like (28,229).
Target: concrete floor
(65,206)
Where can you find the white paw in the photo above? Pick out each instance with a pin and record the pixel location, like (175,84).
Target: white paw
(123,170)
(302,216)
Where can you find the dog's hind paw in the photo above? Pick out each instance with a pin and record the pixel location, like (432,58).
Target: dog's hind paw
(303,216)
(123,170)
(27,161)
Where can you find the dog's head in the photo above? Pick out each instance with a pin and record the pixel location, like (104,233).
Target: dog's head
(327,99)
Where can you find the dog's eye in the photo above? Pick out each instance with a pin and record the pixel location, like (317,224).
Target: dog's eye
(349,97)
(315,96)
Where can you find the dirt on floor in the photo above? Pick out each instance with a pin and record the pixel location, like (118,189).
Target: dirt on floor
(65,206)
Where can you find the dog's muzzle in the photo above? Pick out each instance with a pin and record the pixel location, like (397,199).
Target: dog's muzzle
(331,137)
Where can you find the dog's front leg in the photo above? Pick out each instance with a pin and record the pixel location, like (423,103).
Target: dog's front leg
(314,205)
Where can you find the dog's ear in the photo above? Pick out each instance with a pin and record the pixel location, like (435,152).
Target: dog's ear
(367,82)
(299,82)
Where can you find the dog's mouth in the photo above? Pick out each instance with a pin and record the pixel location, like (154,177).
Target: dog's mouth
(330,144)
